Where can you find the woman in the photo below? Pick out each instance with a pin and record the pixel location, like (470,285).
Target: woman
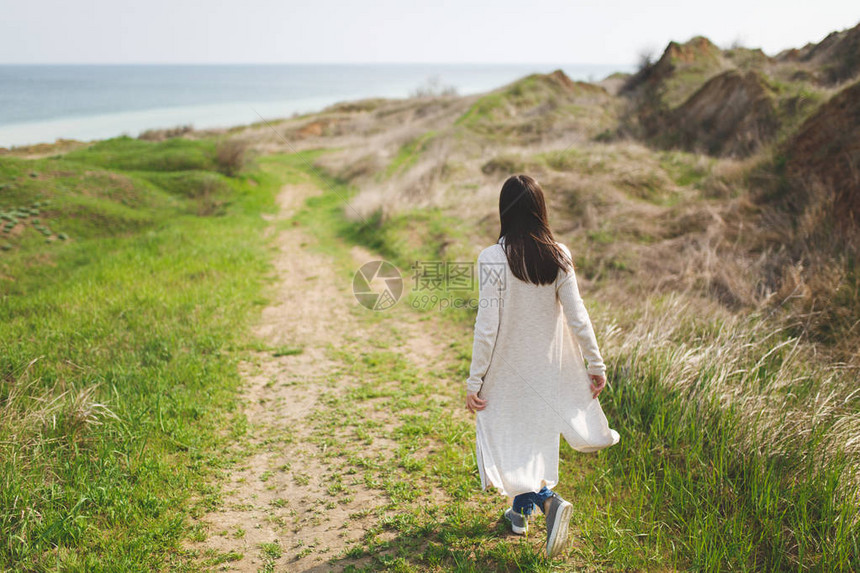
(528,383)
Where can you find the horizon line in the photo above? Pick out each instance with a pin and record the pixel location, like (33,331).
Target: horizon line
(385,63)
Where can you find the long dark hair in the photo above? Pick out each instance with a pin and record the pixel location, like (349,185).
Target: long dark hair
(532,252)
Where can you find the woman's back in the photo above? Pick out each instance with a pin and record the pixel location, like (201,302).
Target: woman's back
(531,339)
(529,319)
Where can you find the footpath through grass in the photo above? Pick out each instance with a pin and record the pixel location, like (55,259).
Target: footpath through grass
(707,475)
(128,273)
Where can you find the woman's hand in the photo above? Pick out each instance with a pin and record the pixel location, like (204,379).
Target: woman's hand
(473,403)
(598,383)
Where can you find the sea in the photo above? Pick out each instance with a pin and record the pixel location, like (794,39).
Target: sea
(42,103)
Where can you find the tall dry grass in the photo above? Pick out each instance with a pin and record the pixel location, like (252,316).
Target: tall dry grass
(231,155)
(740,448)
(753,363)
(33,418)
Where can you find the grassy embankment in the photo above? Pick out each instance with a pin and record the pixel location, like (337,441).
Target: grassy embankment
(692,485)
(128,274)
(713,471)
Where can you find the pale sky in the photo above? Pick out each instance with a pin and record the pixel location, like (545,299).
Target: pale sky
(468,31)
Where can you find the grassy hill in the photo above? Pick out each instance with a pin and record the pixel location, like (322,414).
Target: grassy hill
(710,201)
(127,270)
(680,179)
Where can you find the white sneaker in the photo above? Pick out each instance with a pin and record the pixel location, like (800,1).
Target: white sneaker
(519,523)
(557,520)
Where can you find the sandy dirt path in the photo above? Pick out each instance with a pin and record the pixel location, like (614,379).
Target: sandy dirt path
(287,507)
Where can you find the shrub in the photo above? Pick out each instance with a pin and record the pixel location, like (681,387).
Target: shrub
(162,134)
(433,87)
(230,155)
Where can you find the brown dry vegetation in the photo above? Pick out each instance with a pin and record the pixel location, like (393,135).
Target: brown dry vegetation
(162,134)
(727,178)
(682,181)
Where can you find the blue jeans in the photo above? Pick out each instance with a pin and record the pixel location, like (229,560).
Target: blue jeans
(525,502)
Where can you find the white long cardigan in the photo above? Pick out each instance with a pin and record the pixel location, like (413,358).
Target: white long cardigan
(528,362)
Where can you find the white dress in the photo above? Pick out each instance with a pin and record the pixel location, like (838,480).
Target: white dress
(528,362)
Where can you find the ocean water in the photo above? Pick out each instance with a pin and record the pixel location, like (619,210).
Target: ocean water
(40,103)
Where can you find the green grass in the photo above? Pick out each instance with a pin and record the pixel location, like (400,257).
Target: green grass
(118,377)
(127,154)
(118,348)
(408,154)
(482,110)
(527,92)
(686,82)
(499,113)
(686,169)
(401,239)
(720,505)
(696,482)
(286,351)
